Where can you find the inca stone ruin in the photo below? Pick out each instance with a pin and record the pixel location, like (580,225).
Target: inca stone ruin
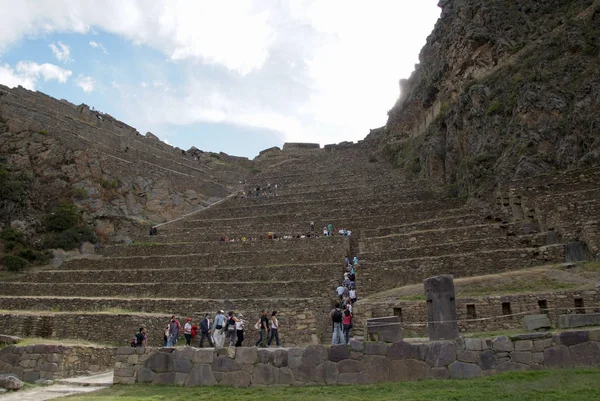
(487,173)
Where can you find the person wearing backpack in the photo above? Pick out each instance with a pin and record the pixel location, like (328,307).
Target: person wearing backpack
(338,330)
(218,332)
(230,328)
(174,329)
(140,339)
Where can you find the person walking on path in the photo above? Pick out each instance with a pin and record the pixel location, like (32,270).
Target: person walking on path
(329,229)
(187,331)
(355,262)
(174,330)
(205,331)
(274,329)
(336,319)
(239,328)
(217,332)
(264,330)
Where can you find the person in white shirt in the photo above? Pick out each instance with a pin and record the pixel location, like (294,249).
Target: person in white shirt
(239,327)
(187,331)
(274,329)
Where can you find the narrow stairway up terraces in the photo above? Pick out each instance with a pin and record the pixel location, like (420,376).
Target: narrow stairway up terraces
(252,251)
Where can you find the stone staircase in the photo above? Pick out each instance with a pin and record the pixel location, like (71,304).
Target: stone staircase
(402,231)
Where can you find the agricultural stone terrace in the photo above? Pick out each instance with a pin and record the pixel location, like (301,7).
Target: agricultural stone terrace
(403,231)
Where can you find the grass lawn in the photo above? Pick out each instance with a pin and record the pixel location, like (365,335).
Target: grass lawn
(577,384)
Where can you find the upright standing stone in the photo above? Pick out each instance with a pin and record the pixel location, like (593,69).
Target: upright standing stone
(441,308)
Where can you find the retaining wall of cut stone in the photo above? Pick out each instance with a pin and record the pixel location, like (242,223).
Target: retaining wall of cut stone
(358,362)
(32,362)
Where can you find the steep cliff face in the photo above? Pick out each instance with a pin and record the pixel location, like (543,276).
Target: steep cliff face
(52,150)
(503,90)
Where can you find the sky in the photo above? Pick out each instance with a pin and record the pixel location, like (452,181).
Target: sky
(233,76)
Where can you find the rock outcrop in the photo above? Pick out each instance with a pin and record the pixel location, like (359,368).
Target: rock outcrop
(503,90)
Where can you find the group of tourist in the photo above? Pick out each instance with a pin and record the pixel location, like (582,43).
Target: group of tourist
(226,330)
(264,191)
(341,314)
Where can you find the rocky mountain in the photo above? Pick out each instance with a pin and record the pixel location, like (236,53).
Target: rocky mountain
(54,151)
(503,90)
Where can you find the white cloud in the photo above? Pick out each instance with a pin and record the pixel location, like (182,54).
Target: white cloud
(322,71)
(12,79)
(27,74)
(62,52)
(98,45)
(87,84)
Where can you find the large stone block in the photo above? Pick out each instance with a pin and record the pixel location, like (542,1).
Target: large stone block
(31,376)
(536,322)
(201,375)
(328,373)
(376,348)
(225,364)
(182,365)
(387,329)
(502,344)
(280,358)
(338,353)
(349,366)
(160,362)
(375,369)
(145,376)
(487,360)
(164,379)
(247,356)
(473,344)
(184,353)
(236,379)
(403,350)
(542,344)
(570,338)
(557,357)
(524,345)
(441,308)
(585,354)
(286,376)
(316,354)
(265,375)
(468,356)
(461,370)
(439,373)
(441,353)
(408,370)
(524,357)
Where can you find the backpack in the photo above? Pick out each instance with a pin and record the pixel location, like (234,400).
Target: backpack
(134,341)
(337,316)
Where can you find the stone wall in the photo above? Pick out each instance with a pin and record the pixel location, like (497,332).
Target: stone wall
(32,362)
(478,314)
(357,363)
(298,327)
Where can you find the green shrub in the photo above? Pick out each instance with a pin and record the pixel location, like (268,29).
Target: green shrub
(63,217)
(108,184)
(33,256)
(43,132)
(495,108)
(70,239)
(10,188)
(80,193)
(14,263)
(12,235)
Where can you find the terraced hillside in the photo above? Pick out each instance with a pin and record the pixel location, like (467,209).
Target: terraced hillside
(402,232)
